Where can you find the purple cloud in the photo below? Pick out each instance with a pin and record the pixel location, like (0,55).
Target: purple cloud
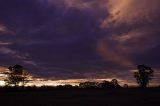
(79,38)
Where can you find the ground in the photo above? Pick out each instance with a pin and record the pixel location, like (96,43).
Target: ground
(81,97)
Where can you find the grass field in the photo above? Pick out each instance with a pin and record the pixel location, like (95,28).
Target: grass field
(81,97)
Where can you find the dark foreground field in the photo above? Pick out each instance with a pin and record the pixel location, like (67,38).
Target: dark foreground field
(81,97)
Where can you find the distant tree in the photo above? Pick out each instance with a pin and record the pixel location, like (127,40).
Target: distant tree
(109,84)
(115,83)
(59,86)
(88,85)
(143,75)
(67,86)
(106,84)
(125,85)
(16,76)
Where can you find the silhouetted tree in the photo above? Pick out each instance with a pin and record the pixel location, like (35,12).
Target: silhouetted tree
(106,84)
(16,76)
(67,86)
(88,84)
(115,83)
(144,75)
(125,85)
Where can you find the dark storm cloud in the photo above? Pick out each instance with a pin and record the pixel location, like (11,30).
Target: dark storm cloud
(64,39)
(51,37)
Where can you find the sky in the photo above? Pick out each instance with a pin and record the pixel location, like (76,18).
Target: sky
(80,39)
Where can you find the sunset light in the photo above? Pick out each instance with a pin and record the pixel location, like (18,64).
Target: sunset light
(79,52)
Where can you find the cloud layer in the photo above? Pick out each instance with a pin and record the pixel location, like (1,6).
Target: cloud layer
(63,39)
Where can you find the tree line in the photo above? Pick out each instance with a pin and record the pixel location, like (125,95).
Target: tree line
(16,76)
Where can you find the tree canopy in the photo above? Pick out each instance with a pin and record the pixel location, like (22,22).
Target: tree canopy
(143,75)
(16,76)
